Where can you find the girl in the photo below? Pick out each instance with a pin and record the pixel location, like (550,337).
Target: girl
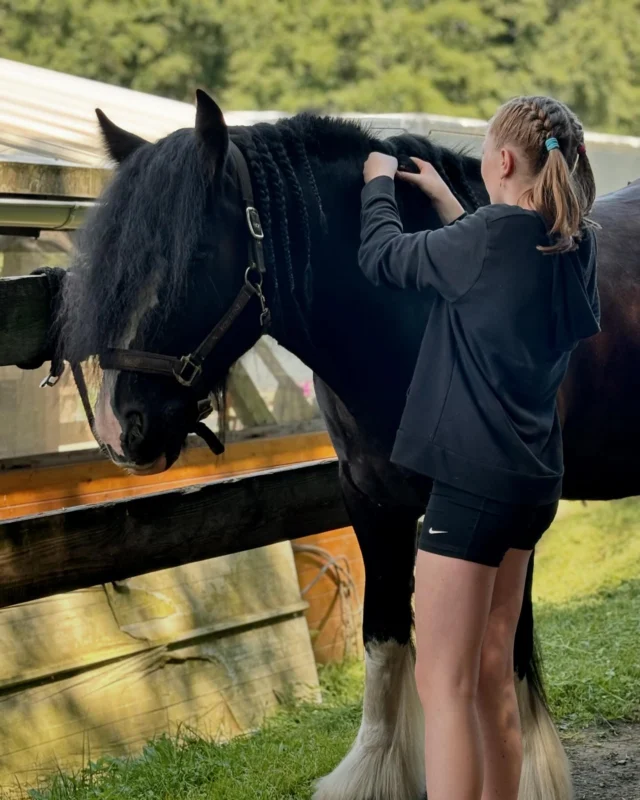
(515,291)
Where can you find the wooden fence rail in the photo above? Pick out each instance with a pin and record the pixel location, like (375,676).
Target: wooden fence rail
(61,551)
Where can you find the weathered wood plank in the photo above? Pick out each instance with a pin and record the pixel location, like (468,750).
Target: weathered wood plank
(219,685)
(50,180)
(68,632)
(24,318)
(59,552)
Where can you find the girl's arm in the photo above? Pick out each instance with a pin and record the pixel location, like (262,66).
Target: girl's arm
(450,259)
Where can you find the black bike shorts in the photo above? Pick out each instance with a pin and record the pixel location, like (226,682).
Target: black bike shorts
(461,525)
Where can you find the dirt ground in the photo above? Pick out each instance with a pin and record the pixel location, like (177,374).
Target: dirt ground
(606,763)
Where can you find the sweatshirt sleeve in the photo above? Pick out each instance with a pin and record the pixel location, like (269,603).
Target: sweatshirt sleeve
(449,259)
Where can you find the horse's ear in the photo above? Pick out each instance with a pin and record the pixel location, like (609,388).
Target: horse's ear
(211,129)
(119,143)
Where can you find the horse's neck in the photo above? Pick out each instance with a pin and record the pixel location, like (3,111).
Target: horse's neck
(363,340)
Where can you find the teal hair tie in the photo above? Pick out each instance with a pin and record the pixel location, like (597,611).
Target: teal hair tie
(552,144)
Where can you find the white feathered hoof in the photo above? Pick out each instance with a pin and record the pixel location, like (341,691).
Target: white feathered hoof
(386,761)
(546,774)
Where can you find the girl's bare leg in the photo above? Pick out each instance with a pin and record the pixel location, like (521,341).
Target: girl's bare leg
(453,599)
(497,703)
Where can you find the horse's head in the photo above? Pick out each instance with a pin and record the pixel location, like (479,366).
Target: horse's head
(159,263)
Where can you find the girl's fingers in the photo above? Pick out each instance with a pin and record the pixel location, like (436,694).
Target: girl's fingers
(410,177)
(419,163)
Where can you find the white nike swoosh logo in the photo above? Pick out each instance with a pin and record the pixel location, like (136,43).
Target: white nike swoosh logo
(432,531)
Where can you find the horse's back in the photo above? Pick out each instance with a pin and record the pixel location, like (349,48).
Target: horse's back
(600,396)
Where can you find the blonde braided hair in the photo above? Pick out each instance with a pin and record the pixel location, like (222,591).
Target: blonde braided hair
(564,187)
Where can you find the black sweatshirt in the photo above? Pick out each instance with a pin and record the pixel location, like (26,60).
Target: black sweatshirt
(481,411)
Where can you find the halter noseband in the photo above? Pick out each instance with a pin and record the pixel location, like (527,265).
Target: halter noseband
(187,369)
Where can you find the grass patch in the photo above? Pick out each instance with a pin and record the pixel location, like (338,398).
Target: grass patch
(587,593)
(591,655)
(589,548)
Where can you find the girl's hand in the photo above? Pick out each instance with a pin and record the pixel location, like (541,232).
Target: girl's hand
(379,164)
(428,180)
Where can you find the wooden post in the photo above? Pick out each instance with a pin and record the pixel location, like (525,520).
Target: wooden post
(30,417)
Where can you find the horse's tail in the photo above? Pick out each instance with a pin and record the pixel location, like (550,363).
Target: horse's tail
(546,774)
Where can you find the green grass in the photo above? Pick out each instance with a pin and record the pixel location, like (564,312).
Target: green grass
(591,652)
(587,593)
(589,549)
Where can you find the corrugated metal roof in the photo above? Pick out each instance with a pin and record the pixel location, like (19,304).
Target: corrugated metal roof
(49,117)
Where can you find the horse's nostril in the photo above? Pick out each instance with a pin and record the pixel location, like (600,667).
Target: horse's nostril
(135,428)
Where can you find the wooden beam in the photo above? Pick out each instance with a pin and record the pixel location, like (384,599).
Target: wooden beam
(24,318)
(62,551)
(50,180)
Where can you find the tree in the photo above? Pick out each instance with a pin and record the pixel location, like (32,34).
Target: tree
(459,57)
(167,47)
(590,58)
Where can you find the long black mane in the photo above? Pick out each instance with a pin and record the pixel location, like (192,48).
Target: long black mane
(149,221)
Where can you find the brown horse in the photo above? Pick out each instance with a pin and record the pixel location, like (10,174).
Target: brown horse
(600,396)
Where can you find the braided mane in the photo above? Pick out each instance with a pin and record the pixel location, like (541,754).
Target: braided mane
(280,158)
(149,224)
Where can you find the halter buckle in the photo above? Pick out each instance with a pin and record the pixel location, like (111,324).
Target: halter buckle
(205,407)
(253,221)
(188,371)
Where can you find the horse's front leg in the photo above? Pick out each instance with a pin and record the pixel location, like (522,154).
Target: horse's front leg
(386,761)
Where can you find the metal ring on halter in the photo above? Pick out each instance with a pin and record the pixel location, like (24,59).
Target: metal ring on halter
(265,314)
(258,283)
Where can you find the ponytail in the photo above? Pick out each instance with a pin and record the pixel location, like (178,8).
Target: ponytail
(556,197)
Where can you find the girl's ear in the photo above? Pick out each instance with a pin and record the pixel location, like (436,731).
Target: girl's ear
(507,162)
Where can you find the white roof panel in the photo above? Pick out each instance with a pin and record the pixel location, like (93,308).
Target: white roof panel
(49,116)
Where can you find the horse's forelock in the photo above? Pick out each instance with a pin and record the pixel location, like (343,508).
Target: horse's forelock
(147,224)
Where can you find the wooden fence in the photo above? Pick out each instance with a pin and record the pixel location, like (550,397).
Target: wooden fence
(64,550)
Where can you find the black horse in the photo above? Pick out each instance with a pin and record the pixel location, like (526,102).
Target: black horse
(163,258)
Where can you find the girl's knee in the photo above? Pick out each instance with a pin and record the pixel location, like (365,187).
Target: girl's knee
(437,680)
(496,665)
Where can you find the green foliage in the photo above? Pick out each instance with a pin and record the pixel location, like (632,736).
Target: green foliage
(443,56)
(166,47)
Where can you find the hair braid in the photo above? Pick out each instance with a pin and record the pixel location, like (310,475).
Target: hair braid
(457,166)
(440,169)
(281,206)
(295,187)
(471,192)
(298,147)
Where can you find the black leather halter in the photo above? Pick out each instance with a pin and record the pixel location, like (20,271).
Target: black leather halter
(187,370)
